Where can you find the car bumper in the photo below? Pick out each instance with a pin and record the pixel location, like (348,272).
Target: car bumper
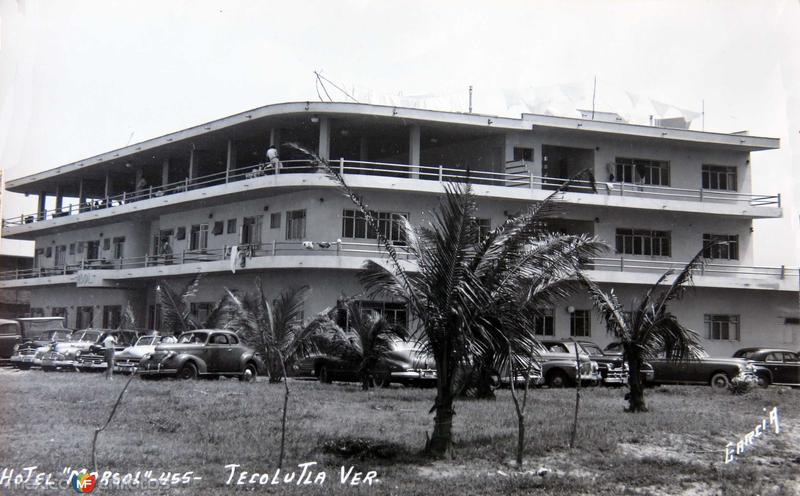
(22,359)
(92,365)
(615,377)
(153,369)
(414,375)
(58,363)
(125,368)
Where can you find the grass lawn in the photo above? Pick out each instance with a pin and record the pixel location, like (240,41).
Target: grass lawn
(47,420)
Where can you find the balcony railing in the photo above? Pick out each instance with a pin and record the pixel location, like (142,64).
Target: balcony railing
(356,249)
(421,172)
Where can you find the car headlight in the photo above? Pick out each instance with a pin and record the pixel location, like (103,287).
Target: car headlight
(146,356)
(78,354)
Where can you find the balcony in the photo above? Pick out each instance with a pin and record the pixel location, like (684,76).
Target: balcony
(350,255)
(510,182)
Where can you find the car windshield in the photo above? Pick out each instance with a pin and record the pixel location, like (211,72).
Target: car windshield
(56,336)
(592,349)
(744,354)
(147,340)
(168,340)
(193,337)
(85,336)
(36,327)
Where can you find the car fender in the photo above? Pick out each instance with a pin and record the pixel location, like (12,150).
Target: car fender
(248,357)
(183,358)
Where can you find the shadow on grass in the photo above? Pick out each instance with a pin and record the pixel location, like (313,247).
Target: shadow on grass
(363,449)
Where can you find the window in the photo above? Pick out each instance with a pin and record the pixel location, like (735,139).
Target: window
(642,171)
(296,224)
(251,230)
(523,154)
(544,322)
(394,313)
(231,226)
(722,327)
(484,226)
(719,177)
(59,312)
(219,226)
(354,225)
(84,317)
(112,316)
(37,312)
(198,239)
(643,242)
(791,321)
(48,252)
(61,252)
(275,220)
(201,311)
(119,247)
(72,248)
(727,250)
(107,244)
(180,234)
(580,323)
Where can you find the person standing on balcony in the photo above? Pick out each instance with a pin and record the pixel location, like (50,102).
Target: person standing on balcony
(166,252)
(141,186)
(273,161)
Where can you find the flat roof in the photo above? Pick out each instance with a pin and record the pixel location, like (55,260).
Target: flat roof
(526,122)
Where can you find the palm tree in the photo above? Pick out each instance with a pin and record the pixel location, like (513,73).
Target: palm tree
(176,316)
(367,339)
(649,328)
(469,299)
(276,328)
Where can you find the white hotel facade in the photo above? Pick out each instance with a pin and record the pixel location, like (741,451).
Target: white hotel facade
(103,224)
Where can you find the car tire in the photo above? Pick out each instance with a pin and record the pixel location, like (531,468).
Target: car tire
(720,381)
(763,381)
(48,369)
(557,379)
(381,377)
(250,373)
(24,367)
(187,371)
(324,375)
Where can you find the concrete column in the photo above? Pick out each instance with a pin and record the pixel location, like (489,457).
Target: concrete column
(192,163)
(81,194)
(414,148)
(108,184)
(275,137)
(165,172)
(324,137)
(230,161)
(59,197)
(363,149)
(41,206)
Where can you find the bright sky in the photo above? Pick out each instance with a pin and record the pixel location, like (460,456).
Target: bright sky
(79,78)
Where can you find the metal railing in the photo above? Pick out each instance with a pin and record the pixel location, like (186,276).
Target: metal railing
(340,248)
(421,172)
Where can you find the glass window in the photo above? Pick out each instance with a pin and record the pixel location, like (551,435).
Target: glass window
(728,249)
(484,226)
(580,323)
(719,177)
(544,323)
(119,247)
(84,317)
(296,224)
(251,230)
(198,238)
(523,154)
(112,315)
(275,220)
(201,310)
(394,313)
(642,171)
(722,327)
(355,226)
(643,242)
(231,226)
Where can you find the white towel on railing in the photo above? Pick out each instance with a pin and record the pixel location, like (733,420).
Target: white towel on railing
(234,256)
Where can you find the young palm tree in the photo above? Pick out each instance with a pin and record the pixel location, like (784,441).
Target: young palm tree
(468,299)
(275,329)
(367,339)
(649,328)
(176,316)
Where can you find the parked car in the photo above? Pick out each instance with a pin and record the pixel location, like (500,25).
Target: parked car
(405,364)
(613,370)
(716,372)
(558,364)
(646,374)
(14,332)
(29,353)
(93,359)
(10,337)
(775,366)
(127,360)
(63,355)
(204,352)
(528,370)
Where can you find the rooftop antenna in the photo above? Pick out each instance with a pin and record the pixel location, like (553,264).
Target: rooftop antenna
(470,99)
(594,92)
(321,81)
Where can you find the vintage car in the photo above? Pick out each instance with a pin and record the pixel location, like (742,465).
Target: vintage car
(716,372)
(557,358)
(405,364)
(774,366)
(29,353)
(527,369)
(127,360)
(646,373)
(203,352)
(63,355)
(93,359)
(613,370)
(15,332)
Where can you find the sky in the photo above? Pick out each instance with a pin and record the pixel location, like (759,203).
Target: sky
(80,78)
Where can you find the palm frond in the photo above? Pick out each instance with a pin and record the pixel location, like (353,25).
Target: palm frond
(609,307)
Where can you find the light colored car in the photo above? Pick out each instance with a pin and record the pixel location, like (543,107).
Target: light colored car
(559,369)
(63,355)
(30,352)
(127,360)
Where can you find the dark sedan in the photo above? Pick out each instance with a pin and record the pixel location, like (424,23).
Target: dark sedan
(205,352)
(775,366)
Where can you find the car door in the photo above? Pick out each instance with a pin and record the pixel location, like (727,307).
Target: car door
(222,358)
(790,369)
(9,336)
(774,362)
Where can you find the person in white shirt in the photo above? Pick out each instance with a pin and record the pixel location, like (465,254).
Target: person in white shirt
(108,344)
(272,157)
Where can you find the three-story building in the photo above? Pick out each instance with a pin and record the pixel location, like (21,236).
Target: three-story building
(110,228)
